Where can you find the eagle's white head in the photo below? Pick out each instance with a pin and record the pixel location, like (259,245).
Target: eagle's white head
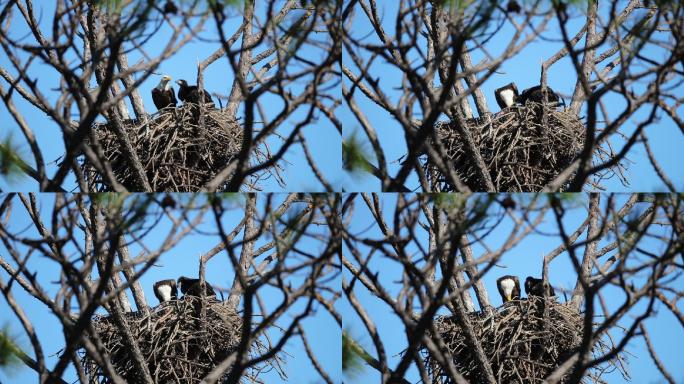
(164,292)
(164,83)
(509,288)
(507,285)
(508,97)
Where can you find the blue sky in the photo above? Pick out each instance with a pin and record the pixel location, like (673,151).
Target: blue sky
(523,69)
(323,333)
(523,260)
(323,138)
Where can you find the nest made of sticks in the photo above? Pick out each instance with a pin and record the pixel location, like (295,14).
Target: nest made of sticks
(524,147)
(176,341)
(523,342)
(178,152)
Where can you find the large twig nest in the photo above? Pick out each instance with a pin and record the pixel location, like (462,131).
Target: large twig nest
(177,151)
(178,344)
(523,342)
(524,147)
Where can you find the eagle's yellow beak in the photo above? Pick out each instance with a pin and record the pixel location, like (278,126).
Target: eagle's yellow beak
(166,78)
(509,297)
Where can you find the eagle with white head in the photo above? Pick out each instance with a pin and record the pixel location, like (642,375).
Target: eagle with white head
(166,290)
(509,288)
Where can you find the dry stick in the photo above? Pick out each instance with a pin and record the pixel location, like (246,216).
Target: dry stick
(473,342)
(588,259)
(369,281)
(438,155)
(73,334)
(103,73)
(234,183)
(129,83)
(39,366)
(571,240)
(129,273)
(418,329)
(95,349)
(370,360)
(380,364)
(437,350)
(105,259)
(246,254)
(312,163)
(203,286)
(449,69)
(370,133)
(654,356)
(130,342)
(228,239)
(656,166)
(376,95)
(471,80)
(471,271)
(245,60)
(312,356)
(436,245)
(587,60)
(28,134)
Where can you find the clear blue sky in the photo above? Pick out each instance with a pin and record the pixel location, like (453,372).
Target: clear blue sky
(524,69)
(523,260)
(324,335)
(323,138)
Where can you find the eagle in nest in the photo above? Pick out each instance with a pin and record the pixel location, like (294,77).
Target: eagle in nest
(163,94)
(507,95)
(509,288)
(191,287)
(537,95)
(166,290)
(535,287)
(190,94)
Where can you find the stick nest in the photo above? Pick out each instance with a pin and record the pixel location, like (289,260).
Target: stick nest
(177,343)
(524,147)
(521,343)
(177,152)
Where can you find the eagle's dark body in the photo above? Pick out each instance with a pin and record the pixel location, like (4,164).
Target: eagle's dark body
(190,94)
(191,287)
(535,287)
(163,95)
(535,94)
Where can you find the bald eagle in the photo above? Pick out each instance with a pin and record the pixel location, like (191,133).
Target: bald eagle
(535,287)
(163,95)
(191,287)
(536,95)
(165,290)
(509,288)
(190,94)
(506,95)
